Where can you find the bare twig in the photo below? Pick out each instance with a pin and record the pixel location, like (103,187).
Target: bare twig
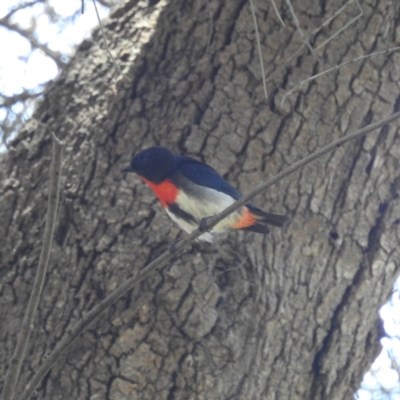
(390,18)
(303,36)
(9,101)
(116,65)
(253,13)
(27,34)
(11,120)
(211,26)
(27,324)
(361,13)
(335,68)
(20,7)
(277,13)
(313,33)
(165,257)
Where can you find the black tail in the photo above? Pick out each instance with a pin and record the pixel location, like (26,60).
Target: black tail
(271,219)
(257,228)
(265,218)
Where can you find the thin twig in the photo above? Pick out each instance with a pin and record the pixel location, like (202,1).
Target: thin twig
(116,65)
(28,34)
(325,23)
(303,36)
(27,324)
(343,27)
(12,121)
(9,101)
(253,13)
(336,67)
(20,7)
(277,13)
(211,26)
(390,16)
(165,257)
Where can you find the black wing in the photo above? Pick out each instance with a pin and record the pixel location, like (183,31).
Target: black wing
(204,175)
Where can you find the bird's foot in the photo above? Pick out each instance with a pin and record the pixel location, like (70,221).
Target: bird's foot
(203,224)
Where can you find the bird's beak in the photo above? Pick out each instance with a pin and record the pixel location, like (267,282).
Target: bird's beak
(128,169)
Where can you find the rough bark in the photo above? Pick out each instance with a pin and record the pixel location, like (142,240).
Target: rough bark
(290,316)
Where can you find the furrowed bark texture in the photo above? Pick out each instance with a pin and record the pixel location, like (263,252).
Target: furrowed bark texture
(290,316)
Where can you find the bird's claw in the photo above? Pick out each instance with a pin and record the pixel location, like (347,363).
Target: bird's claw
(203,224)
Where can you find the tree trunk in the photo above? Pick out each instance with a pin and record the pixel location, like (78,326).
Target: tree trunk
(292,315)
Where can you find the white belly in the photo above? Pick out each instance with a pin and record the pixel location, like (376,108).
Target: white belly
(212,202)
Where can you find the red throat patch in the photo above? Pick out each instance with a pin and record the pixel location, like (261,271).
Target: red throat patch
(245,220)
(166,191)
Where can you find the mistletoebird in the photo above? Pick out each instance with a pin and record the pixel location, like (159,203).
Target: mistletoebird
(190,191)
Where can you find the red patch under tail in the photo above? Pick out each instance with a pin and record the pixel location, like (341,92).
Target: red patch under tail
(246,219)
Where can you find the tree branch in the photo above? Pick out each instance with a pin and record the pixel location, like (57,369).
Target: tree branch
(28,34)
(12,120)
(27,324)
(9,101)
(165,257)
(20,7)
(253,14)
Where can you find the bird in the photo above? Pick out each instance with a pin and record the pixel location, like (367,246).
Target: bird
(191,191)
